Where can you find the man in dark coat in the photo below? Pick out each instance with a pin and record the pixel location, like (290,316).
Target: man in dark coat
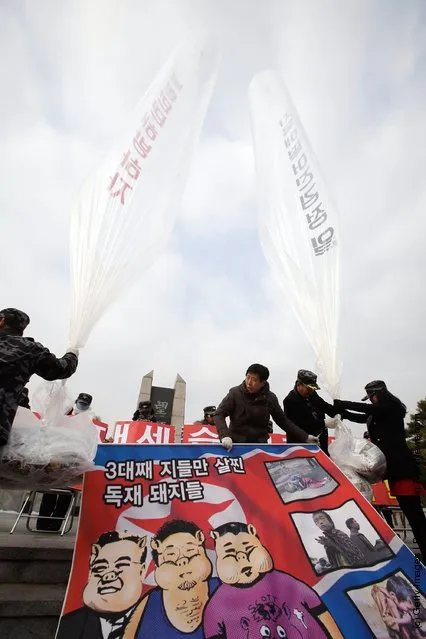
(249,407)
(24,399)
(21,357)
(306,408)
(208,419)
(145,412)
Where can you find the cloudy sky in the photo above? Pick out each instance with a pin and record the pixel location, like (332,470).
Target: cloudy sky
(71,71)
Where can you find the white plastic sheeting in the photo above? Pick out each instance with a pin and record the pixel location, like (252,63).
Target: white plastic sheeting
(360,460)
(47,454)
(297,221)
(125,211)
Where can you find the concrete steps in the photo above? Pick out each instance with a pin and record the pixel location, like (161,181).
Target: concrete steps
(34,571)
(34,565)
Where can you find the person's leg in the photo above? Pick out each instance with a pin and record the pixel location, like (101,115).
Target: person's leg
(47,507)
(411,506)
(323,442)
(387,516)
(62,505)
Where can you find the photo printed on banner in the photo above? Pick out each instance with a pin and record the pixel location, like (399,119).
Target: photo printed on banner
(392,608)
(300,478)
(340,538)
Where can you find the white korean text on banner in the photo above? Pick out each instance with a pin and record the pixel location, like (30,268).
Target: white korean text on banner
(267,541)
(143,433)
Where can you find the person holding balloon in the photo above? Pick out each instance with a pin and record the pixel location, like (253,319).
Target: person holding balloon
(384,416)
(20,358)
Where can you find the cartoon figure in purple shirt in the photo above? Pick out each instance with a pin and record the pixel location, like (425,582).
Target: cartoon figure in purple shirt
(256,601)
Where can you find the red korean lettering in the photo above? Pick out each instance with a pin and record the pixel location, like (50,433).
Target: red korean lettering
(158,113)
(165,102)
(149,127)
(140,145)
(121,190)
(132,167)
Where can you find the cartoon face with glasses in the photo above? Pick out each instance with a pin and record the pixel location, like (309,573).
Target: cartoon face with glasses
(117,570)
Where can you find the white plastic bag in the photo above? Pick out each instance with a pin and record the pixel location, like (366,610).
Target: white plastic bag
(43,454)
(368,460)
(361,461)
(359,482)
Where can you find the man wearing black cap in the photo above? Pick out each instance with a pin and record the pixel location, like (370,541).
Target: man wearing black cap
(145,412)
(21,357)
(209,412)
(305,407)
(82,404)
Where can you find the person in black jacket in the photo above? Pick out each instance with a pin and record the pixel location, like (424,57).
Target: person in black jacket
(145,412)
(20,358)
(24,399)
(384,417)
(208,419)
(304,406)
(249,407)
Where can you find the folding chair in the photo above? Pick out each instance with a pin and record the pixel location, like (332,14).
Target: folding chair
(27,509)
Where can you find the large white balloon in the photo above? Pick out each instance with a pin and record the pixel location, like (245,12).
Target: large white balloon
(297,220)
(125,211)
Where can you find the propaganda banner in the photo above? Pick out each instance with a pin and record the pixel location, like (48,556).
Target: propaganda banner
(143,433)
(204,434)
(102,428)
(264,541)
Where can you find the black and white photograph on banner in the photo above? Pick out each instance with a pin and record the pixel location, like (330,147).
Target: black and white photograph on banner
(340,538)
(300,478)
(393,608)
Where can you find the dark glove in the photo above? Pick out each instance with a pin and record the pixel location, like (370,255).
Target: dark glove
(339,403)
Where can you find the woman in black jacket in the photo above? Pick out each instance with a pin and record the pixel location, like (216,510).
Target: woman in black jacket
(385,422)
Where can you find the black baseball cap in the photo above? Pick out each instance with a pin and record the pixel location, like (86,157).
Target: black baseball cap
(374,387)
(83,401)
(15,319)
(209,410)
(307,378)
(146,404)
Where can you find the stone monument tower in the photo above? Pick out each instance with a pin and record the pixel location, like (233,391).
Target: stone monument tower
(168,403)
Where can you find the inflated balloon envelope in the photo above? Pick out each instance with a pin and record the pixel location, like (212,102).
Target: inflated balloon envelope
(298,228)
(126,209)
(298,223)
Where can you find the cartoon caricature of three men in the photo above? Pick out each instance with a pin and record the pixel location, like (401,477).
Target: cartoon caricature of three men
(249,599)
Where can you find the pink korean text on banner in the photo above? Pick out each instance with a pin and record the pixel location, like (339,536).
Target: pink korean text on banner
(267,541)
(143,433)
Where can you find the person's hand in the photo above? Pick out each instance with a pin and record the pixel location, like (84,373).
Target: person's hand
(227,443)
(74,351)
(322,541)
(312,439)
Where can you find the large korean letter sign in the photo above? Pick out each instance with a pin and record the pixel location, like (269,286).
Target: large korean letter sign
(272,541)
